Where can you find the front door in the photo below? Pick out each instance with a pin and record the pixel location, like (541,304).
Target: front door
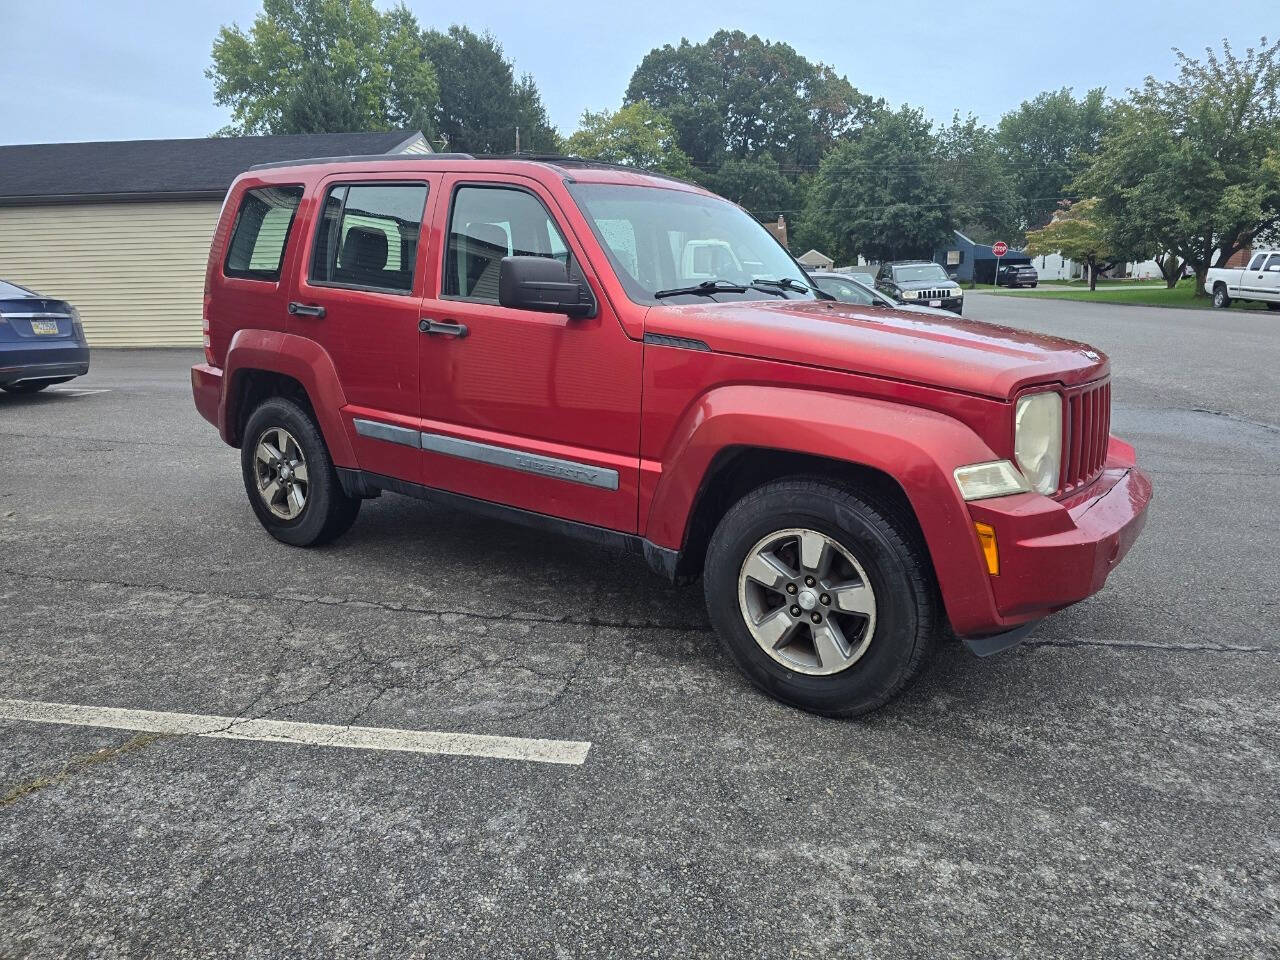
(358,295)
(535,410)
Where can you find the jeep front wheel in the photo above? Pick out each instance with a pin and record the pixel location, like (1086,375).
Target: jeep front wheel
(289,477)
(824,600)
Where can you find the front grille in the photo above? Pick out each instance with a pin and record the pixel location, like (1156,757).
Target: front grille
(1086,433)
(935,294)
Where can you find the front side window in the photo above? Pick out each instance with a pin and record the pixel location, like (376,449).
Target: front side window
(1273,262)
(261,232)
(664,240)
(489,223)
(368,236)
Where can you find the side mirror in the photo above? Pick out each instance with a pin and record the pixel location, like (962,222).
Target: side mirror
(544,284)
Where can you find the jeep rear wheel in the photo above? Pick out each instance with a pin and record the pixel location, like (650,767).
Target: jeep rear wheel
(824,599)
(289,477)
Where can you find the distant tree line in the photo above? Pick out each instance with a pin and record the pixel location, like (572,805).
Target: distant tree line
(1185,170)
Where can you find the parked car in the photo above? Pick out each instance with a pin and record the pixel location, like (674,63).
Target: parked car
(920,282)
(41,341)
(850,289)
(1259,280)
(518,337)
(1017,275)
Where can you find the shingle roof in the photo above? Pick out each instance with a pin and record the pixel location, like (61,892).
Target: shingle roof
(153,169)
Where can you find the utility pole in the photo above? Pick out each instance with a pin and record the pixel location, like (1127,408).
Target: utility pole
(517,139)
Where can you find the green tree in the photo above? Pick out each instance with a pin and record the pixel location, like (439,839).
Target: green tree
(1192,165)
(882,193)
(321,66)
(1046,143)
(738,96)
(758,184)
(482,101)
(636,135)
(987,206)
(1078,233)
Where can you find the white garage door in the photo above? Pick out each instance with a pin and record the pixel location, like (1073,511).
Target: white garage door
(135,271)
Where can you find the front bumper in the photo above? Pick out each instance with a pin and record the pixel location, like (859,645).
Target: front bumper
(954,304)
(1056,553)
(55,360)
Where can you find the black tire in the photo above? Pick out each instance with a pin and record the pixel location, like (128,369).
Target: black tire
(328,512)
(28,387)
(883,540)
(1272,305)
(1220,298)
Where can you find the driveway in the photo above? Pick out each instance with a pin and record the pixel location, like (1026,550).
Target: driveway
(1109,789)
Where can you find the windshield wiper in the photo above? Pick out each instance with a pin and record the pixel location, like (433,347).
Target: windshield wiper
(785,283)
(706,288)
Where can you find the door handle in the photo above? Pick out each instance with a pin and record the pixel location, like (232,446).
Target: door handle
(445,329)
(305,310)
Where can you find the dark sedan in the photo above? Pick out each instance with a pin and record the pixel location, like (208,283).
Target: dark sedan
(41,341)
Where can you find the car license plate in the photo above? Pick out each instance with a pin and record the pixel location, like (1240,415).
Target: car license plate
(44,327)
(935,303)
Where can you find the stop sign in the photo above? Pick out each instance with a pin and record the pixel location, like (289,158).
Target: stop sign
(999,248)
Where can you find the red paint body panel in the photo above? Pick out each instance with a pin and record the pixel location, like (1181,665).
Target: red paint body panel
(912,396)
(305,361)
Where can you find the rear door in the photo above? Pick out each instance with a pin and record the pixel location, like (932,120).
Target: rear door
(358,295)
(535,410)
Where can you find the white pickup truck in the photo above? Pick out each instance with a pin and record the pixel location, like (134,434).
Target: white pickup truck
(1259,280)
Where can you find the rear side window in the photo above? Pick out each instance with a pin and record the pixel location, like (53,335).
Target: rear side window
(261,232)
(368,236)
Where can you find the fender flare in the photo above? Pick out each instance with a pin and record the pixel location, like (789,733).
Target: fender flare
(305,361)
(918,448)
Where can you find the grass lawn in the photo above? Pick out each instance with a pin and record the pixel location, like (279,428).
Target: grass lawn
(1141,293)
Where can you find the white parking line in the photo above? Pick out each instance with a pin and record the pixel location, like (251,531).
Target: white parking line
(309,734)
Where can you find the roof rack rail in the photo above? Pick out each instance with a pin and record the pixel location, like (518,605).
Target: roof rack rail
(563,160)
(554,159)
(361,158)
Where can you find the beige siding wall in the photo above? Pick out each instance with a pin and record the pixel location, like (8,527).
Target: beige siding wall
(135,271)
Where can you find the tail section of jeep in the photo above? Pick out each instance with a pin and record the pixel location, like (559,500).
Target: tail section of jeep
(606,353)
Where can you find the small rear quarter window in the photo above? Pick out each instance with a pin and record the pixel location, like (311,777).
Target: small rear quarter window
(261,232)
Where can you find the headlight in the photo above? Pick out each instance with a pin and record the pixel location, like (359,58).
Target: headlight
(910,294)
(957,292)
(999,478)
(1037,440)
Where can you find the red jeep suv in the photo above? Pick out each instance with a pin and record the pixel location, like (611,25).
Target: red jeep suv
(624,357)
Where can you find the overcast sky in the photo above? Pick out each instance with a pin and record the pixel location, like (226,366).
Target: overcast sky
(125,70)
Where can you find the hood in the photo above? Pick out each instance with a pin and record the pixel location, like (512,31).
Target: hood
(952,353)
(925,284)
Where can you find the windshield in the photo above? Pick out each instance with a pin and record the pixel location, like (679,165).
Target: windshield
(664,241)
(919,271)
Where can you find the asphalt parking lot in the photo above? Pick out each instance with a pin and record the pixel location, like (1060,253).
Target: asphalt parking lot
(1109,789)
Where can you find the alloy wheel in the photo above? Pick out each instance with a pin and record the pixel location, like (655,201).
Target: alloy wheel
(807,601)
(280,468)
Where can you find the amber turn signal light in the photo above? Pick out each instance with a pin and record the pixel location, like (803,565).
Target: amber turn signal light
(987,537)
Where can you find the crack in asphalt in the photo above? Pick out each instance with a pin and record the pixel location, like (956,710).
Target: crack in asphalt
(1143,645)
(310,599)
(1237,418)
(78,763)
